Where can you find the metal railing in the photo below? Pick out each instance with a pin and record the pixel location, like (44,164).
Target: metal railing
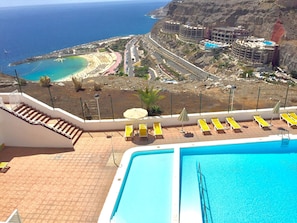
(204,199)
(285,134)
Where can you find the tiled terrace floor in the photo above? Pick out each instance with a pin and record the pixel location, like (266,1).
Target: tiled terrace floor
(70,185)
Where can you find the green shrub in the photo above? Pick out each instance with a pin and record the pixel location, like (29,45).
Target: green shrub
(141,71)
(155,110)
(45,81)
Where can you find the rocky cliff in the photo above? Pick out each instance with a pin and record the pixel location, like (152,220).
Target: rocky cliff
(272,19)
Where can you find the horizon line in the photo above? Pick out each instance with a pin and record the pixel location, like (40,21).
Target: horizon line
(22,4)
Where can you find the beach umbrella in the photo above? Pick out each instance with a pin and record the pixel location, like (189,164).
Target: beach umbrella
(135,113)
(275,110)
(183,117)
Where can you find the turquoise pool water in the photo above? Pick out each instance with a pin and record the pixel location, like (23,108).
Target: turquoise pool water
(208,45)
(239,182)
(146,192)
(268,43)
(255,182)
(51,68)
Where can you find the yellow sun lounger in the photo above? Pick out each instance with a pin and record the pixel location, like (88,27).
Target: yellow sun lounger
(142,130)
(203,125)
(4,166)
(217,124)
(157,129)
(288,119)
(129,132)
(293,115)
(261,122)
(234,125)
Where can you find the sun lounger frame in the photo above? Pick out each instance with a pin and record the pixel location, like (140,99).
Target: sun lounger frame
(157,127)
(233,123)
(203,125)
(293,115)
(261,121)
(218,126)
(129,132)
(288,119)
(142,130)
(3,167)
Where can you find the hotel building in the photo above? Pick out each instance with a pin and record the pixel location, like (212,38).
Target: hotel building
(255,50)
(191,33)
(228,34)
(171,27)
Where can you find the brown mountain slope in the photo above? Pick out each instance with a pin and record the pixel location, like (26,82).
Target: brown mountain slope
(271,19)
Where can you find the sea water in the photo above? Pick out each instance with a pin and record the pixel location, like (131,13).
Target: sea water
(28,31)
(55,70)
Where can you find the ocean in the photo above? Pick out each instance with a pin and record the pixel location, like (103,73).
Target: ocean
(27,31)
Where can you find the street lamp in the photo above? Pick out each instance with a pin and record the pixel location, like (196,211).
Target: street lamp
(111,106)
(96,96)
(200,102)
(19,83)
(51,97)
(232,90)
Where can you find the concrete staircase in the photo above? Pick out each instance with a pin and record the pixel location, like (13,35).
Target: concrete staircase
(60,126)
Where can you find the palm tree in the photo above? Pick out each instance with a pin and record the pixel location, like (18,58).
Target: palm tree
(149,97)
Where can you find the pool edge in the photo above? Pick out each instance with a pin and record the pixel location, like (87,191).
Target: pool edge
(110,202)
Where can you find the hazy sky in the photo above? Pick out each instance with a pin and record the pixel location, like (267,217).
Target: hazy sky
(8,3)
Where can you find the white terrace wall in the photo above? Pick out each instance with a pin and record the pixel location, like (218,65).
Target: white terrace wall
(166,120)
(17,132)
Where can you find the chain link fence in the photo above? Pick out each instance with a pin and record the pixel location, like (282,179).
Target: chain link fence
(111,104)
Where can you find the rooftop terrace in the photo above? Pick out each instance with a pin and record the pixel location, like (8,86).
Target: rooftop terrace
(254,42)
(70,185)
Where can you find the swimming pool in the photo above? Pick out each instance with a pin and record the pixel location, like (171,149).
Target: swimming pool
(268,43)
(143,190)
(209,45)
(252,180)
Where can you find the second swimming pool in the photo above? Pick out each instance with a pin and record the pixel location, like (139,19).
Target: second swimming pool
(254,182)
(237,182)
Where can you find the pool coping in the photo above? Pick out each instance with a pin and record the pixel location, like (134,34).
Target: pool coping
(112,196)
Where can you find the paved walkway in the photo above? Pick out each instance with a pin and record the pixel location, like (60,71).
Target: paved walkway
(70,185)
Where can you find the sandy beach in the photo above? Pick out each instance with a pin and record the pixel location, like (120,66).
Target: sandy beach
(99,63)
